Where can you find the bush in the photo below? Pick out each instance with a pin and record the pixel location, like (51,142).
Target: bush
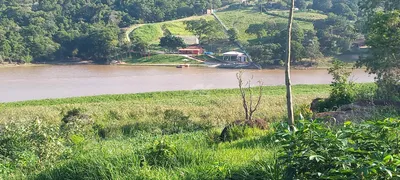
(365,151)
(342,92)
(304,110)
(29,145)
(162,154)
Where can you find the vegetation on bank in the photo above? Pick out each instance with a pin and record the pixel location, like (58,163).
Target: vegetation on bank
(162,135)
(161,59)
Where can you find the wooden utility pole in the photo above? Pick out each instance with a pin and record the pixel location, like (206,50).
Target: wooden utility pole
(289,99)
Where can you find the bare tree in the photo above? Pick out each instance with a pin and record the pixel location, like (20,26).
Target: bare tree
(289,99)
(249,106)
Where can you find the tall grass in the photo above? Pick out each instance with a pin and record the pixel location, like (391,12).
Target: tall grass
(119,136)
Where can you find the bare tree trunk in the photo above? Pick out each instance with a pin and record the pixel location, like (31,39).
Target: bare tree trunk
(289,100)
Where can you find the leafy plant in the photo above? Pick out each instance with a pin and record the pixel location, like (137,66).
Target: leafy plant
(162,154)
(366,151)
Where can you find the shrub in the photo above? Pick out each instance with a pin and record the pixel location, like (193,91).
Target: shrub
(343,91)
(76,122)
(162,154)
(74,114)
(365,151)
(303,112)
(30,144)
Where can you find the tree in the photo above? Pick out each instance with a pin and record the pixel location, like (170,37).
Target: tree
(233,34)
(103,42)
(267,54)
(383,38)
(343,10)
(322,5)
(289,99)
(335,34)
(301,4)
(248,105)
(259,30)
(172,42)
(205,30)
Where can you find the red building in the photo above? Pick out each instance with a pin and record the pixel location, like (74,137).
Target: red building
(193,50)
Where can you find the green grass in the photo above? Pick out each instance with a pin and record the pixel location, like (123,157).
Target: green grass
(162,59)
(148,33)
(153,32)
(131,124)
(123,133)
(241,20)
(312,16)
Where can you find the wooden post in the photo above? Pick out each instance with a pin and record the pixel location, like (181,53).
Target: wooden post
(289,99)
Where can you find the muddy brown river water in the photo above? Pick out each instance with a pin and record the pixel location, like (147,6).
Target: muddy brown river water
(42,82)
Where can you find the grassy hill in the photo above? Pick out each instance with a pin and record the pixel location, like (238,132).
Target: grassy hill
(238,18)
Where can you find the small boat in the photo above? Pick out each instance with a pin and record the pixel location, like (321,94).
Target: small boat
(182,65)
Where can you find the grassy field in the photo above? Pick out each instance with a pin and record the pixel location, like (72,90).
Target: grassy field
(161,59)
(153,32)
(131,128)
(160,135)
(242,18)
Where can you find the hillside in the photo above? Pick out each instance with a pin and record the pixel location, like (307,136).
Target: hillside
(241,19)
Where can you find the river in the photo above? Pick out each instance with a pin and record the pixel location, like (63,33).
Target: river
(42,82)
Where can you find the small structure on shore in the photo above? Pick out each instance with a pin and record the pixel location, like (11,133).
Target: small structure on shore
(234,56)
(191,50)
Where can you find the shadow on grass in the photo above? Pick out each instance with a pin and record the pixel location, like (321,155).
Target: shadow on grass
(255,142)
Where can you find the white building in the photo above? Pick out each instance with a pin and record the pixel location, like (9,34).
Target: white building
(234,56)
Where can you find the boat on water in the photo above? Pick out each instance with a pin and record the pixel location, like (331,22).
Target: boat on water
(182,65)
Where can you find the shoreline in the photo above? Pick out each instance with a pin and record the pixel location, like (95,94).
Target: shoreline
(6,65)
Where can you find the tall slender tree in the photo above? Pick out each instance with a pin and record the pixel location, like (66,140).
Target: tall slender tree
(289,99)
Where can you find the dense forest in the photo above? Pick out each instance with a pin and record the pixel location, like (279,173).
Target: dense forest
(45,30)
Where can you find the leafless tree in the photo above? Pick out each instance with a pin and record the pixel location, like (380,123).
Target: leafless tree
(247,95)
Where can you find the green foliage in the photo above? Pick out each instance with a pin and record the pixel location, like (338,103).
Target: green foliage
(161,154)
(355,151)
(303,112)
(28,146)
(233,34)
(343,91)
(335,34)
(382,59)
(172,42)
(322,5)
(52,30)
(205,30)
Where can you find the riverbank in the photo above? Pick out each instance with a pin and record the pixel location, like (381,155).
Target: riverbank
(159,135)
